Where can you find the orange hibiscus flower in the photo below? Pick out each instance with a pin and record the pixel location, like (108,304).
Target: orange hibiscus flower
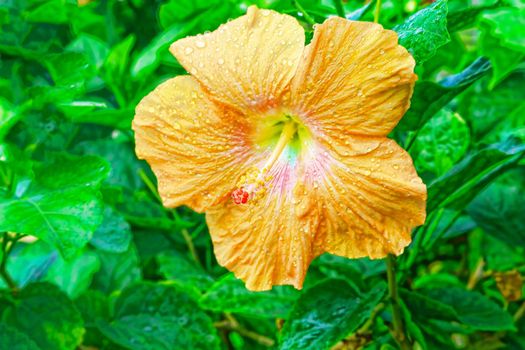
(284,146)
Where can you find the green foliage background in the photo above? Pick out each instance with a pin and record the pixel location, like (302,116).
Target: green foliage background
(90,259)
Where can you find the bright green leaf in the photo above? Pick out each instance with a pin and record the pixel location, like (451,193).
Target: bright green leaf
(47,316)
(327,313)
(229,294)
(425,31)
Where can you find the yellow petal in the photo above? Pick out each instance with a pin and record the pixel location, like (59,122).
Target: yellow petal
(374,198)
(245,63)
(270,241)
(362,203)
(196,149)
(354,78)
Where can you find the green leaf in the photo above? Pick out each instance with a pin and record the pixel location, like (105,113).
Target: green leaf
(47,316)
(466,179)
(150,57)
(94,50)
(474,309)
(493,114)
(38,261)
(424,307)
(327,313)
(175,267)
(151,316)
(114,233)
(441,142)
(74,276)
(430,97)
(8,117)
(230,295)
(93,306)
(500,210)
(62,206)
(467,16)
(425,31)
(11,338)
(502,40)
(117,270)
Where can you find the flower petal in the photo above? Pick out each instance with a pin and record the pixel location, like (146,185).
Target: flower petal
(354,78)
(374,197)
(354,201)
(273,240)
(197,150)
(247,62)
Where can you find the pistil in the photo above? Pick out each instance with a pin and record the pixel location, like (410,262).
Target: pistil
(253,182)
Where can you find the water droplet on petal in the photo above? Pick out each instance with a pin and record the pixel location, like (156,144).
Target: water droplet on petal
(200,44)
(188,50)
(220,61)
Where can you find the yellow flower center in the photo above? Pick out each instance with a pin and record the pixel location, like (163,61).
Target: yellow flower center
(291,133)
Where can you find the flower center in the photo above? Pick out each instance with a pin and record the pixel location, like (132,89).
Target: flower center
(251,185)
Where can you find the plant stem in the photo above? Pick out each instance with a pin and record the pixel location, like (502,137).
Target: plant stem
(233,325)
(191,246)
(399,333)
(6,250)
(377,11)
(306,16)
(339,8)
(519,313)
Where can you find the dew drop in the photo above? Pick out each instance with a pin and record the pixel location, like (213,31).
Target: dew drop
(220,61)
(188,50)
(200,44)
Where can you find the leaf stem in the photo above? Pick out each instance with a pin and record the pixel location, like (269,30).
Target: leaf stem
(399,333)
(377,11)
(191,246)
(230,323)
(306,16)
(339,8)
(519,313)
(6,250)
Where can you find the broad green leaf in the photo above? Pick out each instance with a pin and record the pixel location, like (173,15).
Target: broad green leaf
(93,306)
(47,316)
(467,16)
(151,316)
(74,276)
(327,313)
(149,58)
(230,295)
(466,179)
(37,261)
(502,40)
(430,97)
(94,49)
(441,142)
(473,309)
(50,11)
(424,307)
(11,338)
(117,270)
(425,31)
(499,211)
(125,165)
(62,206)
(176,267)
(69,69)
(493,114)
(114,233)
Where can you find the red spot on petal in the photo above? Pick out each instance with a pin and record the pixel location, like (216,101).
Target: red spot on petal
(240,196)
